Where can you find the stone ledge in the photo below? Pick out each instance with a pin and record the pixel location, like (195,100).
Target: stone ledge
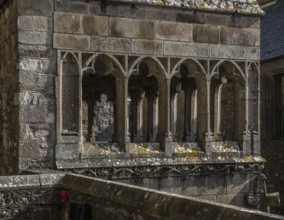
(29,181)
(153,167)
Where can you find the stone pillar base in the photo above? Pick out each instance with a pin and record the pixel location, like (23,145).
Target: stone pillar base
(245,143)
(167,144)
(256,144)
(207,141)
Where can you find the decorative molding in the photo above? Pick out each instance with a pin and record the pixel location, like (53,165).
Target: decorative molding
(170,170)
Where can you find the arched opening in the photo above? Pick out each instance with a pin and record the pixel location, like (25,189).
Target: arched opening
(143,111)
(186,101)
(70,94)
(227,103)
(98,103)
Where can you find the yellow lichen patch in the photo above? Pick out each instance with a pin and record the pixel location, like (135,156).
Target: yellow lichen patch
(192,158)
(150,149)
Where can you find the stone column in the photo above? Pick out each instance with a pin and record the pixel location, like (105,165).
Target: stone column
(217,115)
(165,135)
(122,134)
(208,136)
(137,109)
(187,106)
(193,115)
(155,118)
(149,116)
(173,114)
(246,137)
(92,135)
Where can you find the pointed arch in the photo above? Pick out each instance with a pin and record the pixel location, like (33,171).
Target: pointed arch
(214,70)
(113,66)
(227,102)
(69,53)
(186,60)
(70,89)
(153,63)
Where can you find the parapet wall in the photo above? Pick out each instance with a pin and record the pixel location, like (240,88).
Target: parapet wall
(30,197)
(110,200)
(37,196)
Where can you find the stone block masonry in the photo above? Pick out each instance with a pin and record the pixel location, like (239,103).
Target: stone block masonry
(71,32)
(37,69)
(164,72)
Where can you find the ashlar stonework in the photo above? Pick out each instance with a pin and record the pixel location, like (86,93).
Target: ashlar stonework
(166,91)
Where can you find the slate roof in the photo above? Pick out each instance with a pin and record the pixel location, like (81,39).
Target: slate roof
(272,32)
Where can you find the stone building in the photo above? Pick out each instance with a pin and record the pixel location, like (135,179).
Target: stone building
(163,94)
(272,84)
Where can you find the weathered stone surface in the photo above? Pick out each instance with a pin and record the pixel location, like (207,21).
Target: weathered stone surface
(38,51)
(152,203)
(40,114)
(209,198)
(217,19)
(193,186)
(191,17)
(108,9)
(239,200)
(161,15)
(129,11)
(67,41)
(78,7)
(147,47)
(34,98)
(32,64)
(67,151)
(238,183)
(241,37)
(33,81)
(35,37)
(35,7)
(121,27)
(206,34)
(42,83)
(186,49)
(33,23)
(12,182)
(67,23)
(234,52)
(215,185)
(111,44)
(71,6)
(95,25)
(245,22)
(173,31)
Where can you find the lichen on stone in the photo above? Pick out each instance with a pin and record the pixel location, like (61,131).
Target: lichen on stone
(234,6)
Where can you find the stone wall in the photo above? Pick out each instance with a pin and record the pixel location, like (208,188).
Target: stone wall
(43,28)
(139,29)
(37,70)
(29,197)
(101,199)
(38,196)
(9,89)
(272,147)
(230,189)
(125,34)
